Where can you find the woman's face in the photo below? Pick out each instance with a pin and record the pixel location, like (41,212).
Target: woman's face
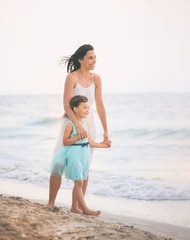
(89,60)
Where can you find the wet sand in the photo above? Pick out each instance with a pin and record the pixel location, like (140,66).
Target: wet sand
(23,219)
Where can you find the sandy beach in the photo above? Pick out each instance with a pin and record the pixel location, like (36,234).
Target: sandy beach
(23,219)
(24,215)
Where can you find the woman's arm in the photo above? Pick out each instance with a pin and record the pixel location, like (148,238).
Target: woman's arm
(68,94)
(100,107)
(67,140)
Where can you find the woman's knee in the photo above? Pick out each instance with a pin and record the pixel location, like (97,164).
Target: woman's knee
(57,169)
(55,175)
(79,183)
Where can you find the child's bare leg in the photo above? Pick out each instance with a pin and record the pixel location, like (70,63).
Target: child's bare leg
(54,185)
(75,206)
(84,186)
(78,193)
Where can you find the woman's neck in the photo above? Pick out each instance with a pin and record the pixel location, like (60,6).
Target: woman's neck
(84,73)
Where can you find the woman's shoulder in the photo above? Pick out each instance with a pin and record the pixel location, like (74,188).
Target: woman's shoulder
(96,76)
(97,79)
(71,78)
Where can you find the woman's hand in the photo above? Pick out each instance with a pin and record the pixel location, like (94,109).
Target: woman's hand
(106,139)
(107,145)
(82,133)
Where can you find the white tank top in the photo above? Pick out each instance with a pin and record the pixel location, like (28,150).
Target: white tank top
(89,92)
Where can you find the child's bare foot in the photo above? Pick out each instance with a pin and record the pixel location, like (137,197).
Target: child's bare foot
(90,212)
(51,205)
(76,210)
(79,206)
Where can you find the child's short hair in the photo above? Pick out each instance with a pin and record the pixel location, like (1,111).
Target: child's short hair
(75,102)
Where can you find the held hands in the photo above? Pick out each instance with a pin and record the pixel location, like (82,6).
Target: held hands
(106,141)
(106,145)
(82,133)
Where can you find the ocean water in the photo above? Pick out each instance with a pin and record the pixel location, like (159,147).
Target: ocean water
(150,155)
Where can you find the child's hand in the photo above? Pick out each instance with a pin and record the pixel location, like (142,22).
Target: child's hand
(109,143)
(106,145)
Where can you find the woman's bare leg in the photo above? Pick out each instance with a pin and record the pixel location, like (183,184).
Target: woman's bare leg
(78,194)
(54,185)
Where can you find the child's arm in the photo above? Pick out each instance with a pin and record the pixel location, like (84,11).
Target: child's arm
(66,137)
(98,145)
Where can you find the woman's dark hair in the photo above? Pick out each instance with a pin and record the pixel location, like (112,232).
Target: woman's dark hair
(72,61)
(75,102)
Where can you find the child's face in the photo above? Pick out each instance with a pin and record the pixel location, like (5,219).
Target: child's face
(82,110)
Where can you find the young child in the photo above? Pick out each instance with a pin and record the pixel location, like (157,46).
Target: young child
(74,158)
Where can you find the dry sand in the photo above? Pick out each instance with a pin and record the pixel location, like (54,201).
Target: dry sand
(22,219)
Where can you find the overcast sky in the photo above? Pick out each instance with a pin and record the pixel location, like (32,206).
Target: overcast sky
(141,45)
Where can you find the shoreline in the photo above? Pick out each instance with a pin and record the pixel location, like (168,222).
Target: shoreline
(127,222)
(23,219)
(159,211)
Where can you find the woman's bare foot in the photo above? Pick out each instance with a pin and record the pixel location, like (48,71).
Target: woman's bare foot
(76,210)
(90,212)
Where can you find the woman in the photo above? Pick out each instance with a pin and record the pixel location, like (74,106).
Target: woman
(80,81)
